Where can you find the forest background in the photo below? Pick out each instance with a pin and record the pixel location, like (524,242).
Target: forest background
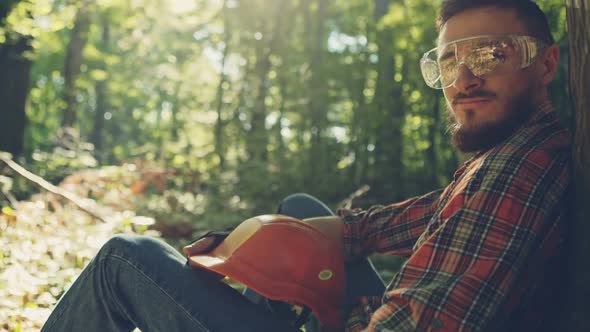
(172,117)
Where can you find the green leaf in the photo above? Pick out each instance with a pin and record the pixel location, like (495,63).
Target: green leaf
(7,210)
(98,75)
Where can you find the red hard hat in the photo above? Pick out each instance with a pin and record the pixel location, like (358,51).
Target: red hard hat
(284,259)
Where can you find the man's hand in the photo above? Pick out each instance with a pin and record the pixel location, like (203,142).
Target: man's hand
(200,246)
(203,245)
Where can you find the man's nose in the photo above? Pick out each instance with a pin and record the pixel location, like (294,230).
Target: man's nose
(466,81)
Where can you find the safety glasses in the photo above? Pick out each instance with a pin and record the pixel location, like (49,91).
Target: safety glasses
(482,55)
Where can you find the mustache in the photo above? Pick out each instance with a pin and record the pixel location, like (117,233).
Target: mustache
(476,94)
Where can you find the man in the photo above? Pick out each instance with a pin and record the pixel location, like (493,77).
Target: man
(480,253)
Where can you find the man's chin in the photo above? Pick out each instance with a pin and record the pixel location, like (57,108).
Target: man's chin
(469,140)
(473,137)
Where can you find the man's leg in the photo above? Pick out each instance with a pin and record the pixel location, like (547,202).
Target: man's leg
(303,206)
(143,282)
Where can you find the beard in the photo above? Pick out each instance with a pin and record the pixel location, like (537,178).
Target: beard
(487,135)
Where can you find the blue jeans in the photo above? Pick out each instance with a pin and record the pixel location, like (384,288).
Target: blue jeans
(137,281)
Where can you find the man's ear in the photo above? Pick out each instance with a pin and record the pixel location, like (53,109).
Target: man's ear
(548,64)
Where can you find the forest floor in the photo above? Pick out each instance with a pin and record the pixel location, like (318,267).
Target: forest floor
(47,240)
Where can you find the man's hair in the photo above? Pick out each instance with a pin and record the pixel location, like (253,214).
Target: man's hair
(532,16)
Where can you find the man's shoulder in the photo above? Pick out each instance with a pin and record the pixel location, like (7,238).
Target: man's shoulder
(538,155)
(543,131)
(539,143)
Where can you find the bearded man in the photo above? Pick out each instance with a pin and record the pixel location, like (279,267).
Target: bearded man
(482,253)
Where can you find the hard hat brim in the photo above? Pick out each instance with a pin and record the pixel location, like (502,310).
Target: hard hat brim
(293,241)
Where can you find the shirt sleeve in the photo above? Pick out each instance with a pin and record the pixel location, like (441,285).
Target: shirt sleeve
(391,229)
(465,266)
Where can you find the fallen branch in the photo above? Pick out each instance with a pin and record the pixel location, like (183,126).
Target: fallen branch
(347,202)
(49,187)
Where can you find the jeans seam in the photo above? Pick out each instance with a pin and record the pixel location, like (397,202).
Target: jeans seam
(62,311)
(86,273)
(137,269)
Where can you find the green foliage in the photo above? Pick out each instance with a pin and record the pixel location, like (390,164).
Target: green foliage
(258,99)
(169,82)
(243,102)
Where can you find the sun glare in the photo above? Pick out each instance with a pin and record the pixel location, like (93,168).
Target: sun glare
(183,6)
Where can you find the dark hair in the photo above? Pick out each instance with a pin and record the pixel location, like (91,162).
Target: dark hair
(532,16)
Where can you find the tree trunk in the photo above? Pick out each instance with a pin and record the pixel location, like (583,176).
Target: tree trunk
(281,149)
(14,90)
(388,113)
(258,136)
(5,8)
(14,87)
(358,127)
(73,61)
(316,107)
(102,103)
(219,124)
(578,311)
(176,124)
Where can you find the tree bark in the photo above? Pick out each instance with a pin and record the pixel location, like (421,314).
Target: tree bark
(577,309)
(73,61)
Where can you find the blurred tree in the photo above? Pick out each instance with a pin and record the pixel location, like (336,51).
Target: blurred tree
(317,166)
(15,66)
(5,8)
(223,82)
(73,62)
(389,109)
(101,91)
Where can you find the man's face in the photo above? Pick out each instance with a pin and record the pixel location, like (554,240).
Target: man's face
(485,110)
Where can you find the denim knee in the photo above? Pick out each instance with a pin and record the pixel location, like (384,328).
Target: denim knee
(301,205)
(297,198)
(120,243)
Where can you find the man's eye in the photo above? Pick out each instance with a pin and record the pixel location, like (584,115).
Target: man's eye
(447,65)
(498,55)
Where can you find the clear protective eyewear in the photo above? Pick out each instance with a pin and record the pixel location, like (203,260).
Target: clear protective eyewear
(482,55)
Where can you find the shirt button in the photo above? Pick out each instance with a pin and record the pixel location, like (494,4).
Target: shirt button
(436,324)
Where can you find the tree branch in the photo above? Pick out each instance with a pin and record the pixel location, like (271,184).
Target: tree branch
(80,203)
(347,202)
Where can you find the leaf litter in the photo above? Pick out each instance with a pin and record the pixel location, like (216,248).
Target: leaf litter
(47,241)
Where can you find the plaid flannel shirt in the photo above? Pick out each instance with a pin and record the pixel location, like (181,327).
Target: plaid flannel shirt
(473,247)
